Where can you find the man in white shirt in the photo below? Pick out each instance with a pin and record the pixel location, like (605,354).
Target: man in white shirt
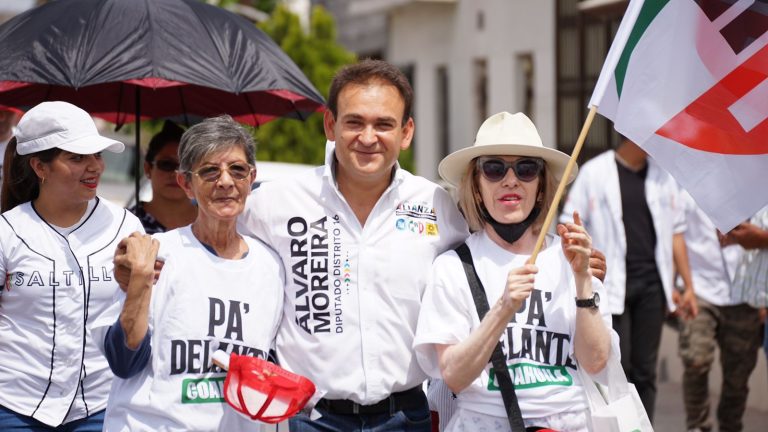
(630,207)
(724,320)
(357,237)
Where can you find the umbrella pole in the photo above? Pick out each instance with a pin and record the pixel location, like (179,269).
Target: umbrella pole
(137,148)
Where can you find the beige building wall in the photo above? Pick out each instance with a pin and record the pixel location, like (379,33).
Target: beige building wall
(457,35)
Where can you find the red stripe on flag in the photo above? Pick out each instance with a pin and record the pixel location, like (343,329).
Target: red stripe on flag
(706,124)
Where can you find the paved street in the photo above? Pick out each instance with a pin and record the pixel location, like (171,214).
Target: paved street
(670,413)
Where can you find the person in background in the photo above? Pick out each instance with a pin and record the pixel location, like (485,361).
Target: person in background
(751,283)
(217,288)
(506,185)
(57,240)
(724,321)
(632,209)
(170,207)
(8,120)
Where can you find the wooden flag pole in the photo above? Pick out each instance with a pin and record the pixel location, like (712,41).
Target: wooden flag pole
(563,182)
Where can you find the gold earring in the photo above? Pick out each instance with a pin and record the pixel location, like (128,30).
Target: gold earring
(42,181)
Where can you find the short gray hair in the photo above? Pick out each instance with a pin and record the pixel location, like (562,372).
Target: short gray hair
(213,135)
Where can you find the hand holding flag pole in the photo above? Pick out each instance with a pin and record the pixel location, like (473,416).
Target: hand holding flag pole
(563,183)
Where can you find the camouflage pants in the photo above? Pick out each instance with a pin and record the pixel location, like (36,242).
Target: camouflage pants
(736,331)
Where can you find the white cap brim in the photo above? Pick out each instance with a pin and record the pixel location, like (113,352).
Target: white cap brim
(93,144)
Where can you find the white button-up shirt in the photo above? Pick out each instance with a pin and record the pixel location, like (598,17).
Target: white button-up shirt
(751,284)
(597,197)
(712,267)
(353,292)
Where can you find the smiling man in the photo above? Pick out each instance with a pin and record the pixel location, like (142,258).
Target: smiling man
(357,238)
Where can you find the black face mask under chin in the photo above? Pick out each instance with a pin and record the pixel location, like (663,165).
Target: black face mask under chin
(513,231)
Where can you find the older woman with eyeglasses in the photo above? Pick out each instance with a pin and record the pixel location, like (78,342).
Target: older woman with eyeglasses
(547,317)
(170,207)
(217,289)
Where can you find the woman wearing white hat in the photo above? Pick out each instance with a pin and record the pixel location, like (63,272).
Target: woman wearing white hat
(57,240)
(547,316)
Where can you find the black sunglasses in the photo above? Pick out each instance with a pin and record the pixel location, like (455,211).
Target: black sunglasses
(494,169)
(165,165)
(237,170)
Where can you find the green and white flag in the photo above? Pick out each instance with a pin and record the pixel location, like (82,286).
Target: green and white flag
(687,81)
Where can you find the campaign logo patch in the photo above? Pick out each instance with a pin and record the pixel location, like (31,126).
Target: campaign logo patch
(419,227)
(416,210)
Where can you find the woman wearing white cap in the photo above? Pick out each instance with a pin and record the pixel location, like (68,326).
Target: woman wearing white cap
(546,316)
(57,240)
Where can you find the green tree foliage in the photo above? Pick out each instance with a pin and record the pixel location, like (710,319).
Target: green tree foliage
(263,5)
(319,56)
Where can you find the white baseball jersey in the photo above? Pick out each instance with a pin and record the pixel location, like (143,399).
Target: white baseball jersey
(538,341)
(55,287)
(353,292)
(199,303)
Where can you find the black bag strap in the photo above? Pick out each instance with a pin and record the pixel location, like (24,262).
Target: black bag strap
(497,358)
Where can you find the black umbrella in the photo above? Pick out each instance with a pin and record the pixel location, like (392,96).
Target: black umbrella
(128,60)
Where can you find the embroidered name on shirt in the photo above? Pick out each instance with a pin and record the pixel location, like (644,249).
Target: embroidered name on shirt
(342,276)
(309,273)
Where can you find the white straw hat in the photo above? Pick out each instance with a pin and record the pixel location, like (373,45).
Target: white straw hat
(504,134)
(61,125)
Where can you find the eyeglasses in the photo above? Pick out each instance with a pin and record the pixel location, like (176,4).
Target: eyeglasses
(165,165)
(237,170)
(494,169)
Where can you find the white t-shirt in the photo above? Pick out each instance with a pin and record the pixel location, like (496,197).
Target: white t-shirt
(354,292)
(51,366)
(540,357)
(199,302)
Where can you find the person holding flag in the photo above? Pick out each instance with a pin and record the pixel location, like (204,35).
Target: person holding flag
(687,81)
(506,183)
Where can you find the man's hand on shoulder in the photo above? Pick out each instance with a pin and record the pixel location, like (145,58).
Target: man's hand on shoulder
(597,265)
